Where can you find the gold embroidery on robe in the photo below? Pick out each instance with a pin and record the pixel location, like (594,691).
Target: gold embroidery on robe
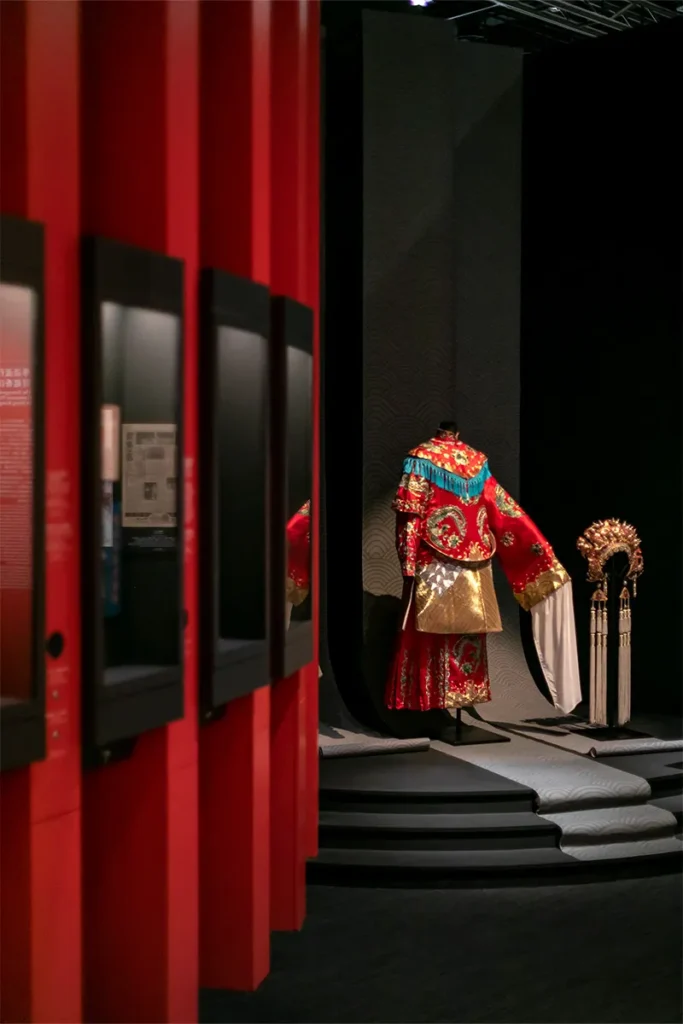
(295,595)
(543,586)
(506,504)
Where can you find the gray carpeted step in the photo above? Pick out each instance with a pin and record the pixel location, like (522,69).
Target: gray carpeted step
(339,742)
(419,782)
(450,861)
(564,781)
(532,863)
(432,831)
(635,850)
(613,825)
(662,770)
(673,803)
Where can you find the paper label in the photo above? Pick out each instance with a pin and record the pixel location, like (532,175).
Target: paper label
(149,484)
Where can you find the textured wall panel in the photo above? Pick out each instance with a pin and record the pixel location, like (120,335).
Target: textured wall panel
(408,356)
(441,229)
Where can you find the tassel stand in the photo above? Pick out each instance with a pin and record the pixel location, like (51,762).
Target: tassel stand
(624,697)
(598,657)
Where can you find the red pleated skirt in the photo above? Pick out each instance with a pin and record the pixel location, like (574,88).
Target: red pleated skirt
(437,670)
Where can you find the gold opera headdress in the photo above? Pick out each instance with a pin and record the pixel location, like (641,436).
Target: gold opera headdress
(608,537)
(598,544)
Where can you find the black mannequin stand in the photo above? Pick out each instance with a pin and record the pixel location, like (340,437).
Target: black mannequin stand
(458,734)
(438,725)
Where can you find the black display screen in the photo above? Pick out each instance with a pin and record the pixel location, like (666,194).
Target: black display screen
(241,456)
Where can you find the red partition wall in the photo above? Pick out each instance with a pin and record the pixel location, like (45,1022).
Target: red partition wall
(294,273)
(235,750)
(140,186)
(40,898)
(312,299)
(288,277)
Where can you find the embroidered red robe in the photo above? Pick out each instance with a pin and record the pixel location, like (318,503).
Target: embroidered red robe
(299,555)
(452,517)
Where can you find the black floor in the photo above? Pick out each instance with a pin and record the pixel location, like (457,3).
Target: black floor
(598,953)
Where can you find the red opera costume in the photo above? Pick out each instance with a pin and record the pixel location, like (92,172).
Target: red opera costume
(299,559)
(452,517)
(299,555)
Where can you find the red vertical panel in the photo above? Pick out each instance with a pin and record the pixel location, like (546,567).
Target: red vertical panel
(182,236)
(40,846)
(288,277)
(140,186)
(235,750)
(312,256)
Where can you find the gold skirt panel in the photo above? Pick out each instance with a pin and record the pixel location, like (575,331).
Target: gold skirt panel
(454,598)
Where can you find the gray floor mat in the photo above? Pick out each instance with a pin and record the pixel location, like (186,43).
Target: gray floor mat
(563,781)
(351,742)
(603,813)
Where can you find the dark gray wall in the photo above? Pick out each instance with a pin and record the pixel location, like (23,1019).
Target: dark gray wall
(408,268)
(441,272)
(487,202)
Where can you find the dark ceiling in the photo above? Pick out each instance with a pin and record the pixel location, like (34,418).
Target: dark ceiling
(535,25)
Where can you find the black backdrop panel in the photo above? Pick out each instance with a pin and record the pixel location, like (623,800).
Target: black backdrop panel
(602,374)
(342,443)
(22,497)
(132,496)
(234,470)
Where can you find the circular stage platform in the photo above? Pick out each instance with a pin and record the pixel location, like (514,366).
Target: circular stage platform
(431,817)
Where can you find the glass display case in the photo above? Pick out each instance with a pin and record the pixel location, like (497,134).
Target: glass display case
(234,464)
(292,484)
(22,495)
(132,613)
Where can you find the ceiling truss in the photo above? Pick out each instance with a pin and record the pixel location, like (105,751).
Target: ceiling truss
(552,21)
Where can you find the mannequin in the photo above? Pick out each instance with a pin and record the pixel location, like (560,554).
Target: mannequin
(452,518)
